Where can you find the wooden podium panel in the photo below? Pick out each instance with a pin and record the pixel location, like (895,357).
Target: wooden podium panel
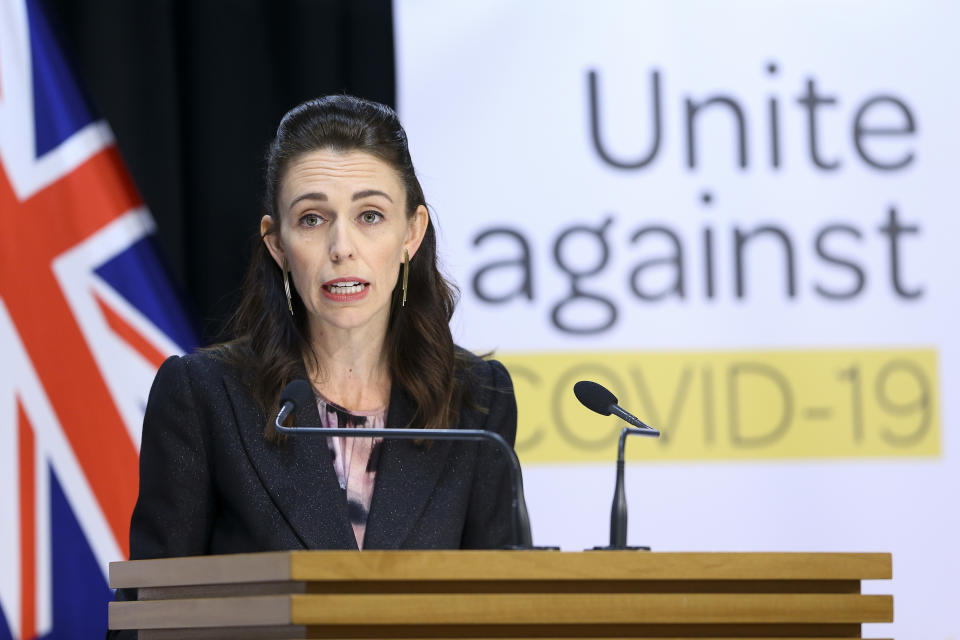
(502,594)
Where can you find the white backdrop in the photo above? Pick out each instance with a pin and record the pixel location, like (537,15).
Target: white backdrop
(741,217)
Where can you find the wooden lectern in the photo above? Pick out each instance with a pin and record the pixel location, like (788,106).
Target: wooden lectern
(502,594)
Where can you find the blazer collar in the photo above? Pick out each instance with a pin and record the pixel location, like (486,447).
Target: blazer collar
(406,476)
(297,473)
(299,476)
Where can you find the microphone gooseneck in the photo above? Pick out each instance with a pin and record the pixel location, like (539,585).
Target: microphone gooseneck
(299,393)
(618,511)
(600,400)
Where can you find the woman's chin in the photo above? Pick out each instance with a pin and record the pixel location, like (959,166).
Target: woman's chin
(345,317)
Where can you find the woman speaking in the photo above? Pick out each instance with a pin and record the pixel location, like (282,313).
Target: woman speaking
(343,291)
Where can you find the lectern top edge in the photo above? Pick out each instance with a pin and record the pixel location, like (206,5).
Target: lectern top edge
(270,566)
(340,566)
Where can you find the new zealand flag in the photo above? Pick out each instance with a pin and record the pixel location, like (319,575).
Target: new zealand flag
(87,314)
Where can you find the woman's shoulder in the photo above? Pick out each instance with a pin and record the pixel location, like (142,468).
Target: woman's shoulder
(212,363)
(199,382)
(481,372)
(488,400)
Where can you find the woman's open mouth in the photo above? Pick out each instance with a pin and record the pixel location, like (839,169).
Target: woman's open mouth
(345,289)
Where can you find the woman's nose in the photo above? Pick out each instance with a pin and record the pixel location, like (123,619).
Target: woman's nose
(341,242)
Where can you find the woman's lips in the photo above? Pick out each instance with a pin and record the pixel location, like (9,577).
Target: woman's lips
(345,289)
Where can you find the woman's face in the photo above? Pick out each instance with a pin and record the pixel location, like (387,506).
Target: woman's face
(343,232)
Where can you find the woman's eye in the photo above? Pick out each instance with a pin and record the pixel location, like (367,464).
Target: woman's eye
(311,220)
(371,217)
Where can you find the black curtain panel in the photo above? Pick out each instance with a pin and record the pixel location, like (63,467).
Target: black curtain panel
(194,89)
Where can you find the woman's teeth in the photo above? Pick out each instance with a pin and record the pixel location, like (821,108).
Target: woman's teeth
(345,288)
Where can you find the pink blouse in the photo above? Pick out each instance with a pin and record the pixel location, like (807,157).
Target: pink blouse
(354,459)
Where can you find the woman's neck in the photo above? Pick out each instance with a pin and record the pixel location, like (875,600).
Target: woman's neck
(353,368)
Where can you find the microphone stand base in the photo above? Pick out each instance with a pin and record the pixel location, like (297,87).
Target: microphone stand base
(534,548)
(627,548)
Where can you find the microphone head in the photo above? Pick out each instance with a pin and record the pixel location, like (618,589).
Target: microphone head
(298,392)
(594,396)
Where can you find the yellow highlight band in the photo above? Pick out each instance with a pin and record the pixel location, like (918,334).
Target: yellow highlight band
(732,405)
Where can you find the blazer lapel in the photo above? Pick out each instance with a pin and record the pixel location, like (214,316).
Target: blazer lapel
(297,473)
(406,476)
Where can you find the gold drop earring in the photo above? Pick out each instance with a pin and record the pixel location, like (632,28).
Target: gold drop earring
(286,286)
(406,275)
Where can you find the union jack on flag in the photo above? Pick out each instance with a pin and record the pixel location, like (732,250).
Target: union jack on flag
(87,314)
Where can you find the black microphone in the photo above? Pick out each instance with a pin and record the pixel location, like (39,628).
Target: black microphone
(299,393)
(598,398)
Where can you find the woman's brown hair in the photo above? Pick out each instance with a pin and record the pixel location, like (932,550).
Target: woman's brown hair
(271,344)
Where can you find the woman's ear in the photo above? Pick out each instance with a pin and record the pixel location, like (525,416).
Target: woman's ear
(272,239)
(416,229)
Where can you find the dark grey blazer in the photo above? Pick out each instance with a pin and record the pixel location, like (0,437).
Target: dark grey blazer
(211,483)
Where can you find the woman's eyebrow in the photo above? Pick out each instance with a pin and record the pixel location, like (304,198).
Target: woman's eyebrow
(359,195)
(370,192)
(313,195)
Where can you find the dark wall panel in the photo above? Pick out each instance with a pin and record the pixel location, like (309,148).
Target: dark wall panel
(194,90)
